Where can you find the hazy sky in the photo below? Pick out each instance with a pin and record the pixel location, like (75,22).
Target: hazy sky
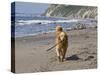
(28,7)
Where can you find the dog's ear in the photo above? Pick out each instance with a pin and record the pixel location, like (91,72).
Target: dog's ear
(59,28)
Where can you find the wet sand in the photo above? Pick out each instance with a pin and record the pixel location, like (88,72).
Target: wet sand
(31,54)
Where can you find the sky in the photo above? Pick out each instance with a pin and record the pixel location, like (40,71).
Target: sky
(30,8)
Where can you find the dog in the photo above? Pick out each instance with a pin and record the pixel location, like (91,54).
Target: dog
(62,43)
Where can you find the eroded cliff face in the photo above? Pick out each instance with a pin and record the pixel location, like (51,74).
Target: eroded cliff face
(69,11)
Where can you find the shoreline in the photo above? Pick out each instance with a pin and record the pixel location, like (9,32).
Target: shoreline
(49,32)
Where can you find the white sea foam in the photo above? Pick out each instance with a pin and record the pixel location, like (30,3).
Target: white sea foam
(67,21)
(28,22)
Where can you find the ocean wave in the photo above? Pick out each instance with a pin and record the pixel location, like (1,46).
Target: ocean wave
(29,22)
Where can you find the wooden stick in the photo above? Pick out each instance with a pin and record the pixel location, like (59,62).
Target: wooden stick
(53,46)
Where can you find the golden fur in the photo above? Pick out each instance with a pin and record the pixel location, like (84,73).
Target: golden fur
(62,43)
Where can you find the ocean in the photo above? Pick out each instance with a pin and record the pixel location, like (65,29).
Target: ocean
(33,25)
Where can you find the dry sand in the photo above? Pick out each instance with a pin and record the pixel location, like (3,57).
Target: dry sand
(31,54)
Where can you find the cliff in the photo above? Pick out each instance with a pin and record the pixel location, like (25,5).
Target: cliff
(69,11)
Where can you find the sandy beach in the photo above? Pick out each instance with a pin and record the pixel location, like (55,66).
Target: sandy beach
(31,54)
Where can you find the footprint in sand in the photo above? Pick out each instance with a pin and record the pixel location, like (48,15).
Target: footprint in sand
(87,36)
(89,58)
(53,59)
